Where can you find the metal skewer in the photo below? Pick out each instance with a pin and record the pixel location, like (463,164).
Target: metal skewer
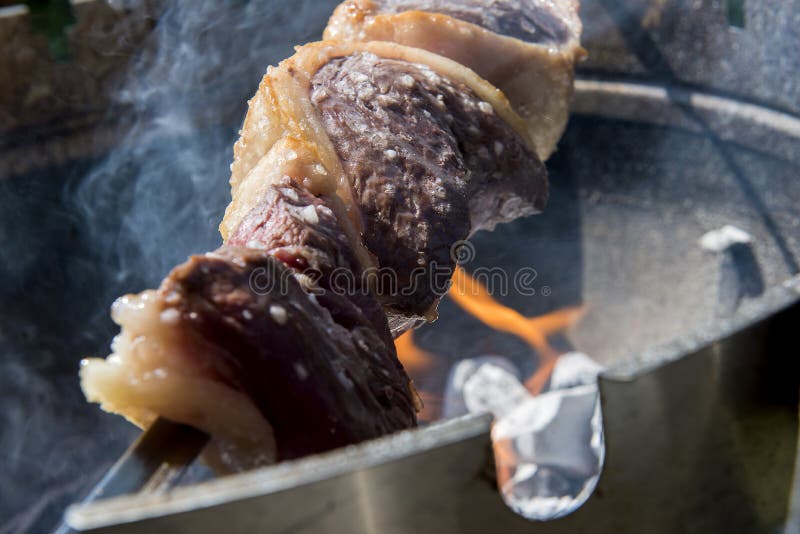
(154,462)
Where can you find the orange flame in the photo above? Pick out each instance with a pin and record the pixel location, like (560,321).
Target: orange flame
(431,407)
(417,362)
(476,300)
(413,358)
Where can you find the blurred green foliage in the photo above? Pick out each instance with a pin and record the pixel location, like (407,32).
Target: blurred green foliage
(52,18)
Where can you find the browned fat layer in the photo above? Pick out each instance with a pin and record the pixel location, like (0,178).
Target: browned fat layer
(430,163)
(319,374)
(531,21)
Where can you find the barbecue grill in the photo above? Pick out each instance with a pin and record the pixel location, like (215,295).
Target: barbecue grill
(685,120)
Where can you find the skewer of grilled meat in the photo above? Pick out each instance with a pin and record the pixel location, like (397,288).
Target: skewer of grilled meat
(354,159)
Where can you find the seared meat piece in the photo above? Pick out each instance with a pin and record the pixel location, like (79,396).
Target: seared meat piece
(304,232)
(527,49)
(421,151)
(298,228)
(531,20)
(429,162)
(157,368)
(314,366)
(233,344)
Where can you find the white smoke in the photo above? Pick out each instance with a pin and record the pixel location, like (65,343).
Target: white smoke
(161,193)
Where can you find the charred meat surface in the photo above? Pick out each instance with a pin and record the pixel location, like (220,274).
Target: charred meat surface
(320,375)
(429,162)
(531,21)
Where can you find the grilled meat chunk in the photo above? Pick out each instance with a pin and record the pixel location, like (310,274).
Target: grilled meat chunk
(234,344)
(304,232)
(420,150)
(314,366)
(533,21)
(527,49)
(429,161)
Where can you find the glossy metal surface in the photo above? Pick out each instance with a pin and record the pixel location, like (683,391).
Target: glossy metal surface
(153,463)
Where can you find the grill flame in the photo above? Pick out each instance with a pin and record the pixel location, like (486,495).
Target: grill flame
(475,299)
(414,359)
